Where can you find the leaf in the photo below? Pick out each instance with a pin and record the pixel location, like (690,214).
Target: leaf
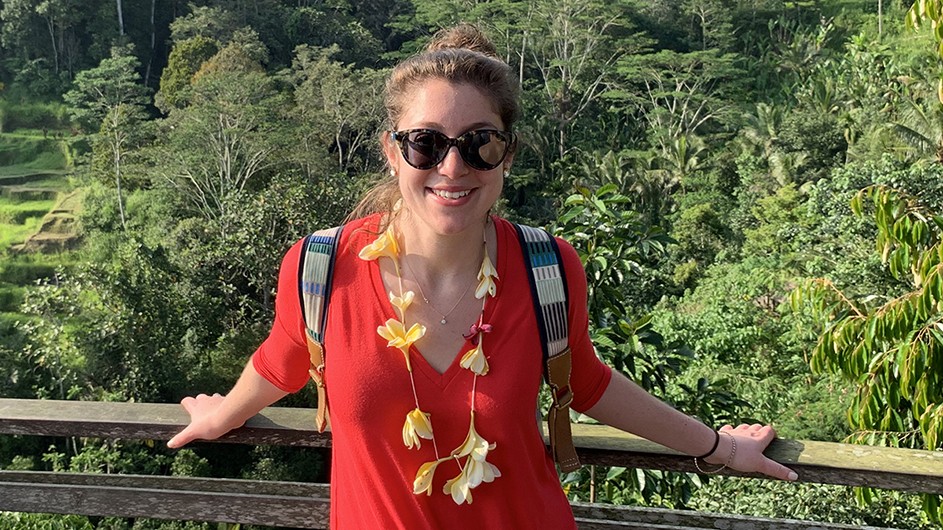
(614,472)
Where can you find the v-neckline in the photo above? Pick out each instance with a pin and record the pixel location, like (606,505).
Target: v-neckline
(419,361)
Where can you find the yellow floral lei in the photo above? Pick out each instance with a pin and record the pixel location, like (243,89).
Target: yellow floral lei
(471,455)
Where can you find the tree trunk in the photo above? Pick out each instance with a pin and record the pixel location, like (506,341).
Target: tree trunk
(120,19)
(116,153)
(150,57)
(55,48)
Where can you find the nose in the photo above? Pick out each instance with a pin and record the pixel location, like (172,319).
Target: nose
(452,166)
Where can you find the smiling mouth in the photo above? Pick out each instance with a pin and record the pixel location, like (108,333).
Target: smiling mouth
(451,194)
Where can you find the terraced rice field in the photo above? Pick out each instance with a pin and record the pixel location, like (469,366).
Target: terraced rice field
(38,215)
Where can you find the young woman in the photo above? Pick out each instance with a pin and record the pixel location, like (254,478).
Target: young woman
(434,360)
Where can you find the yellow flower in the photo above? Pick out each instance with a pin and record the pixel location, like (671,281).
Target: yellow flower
(459,488)
(474,444)
(402,302)
(395,332)
(417,426)
(478,471)
(384,245)
(474,472)
(486,277)
(474,359)
(423,482)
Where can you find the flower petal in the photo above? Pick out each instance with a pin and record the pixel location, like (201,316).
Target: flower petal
(475,360)
(402,302)
(458,488)
(474,444)
(423,481)
(416,426)
(486,285)
(416,331)
(383,245)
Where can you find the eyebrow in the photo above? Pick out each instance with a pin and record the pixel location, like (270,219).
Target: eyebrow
(473,127)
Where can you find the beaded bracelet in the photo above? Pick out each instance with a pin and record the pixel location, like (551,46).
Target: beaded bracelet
(713,447)
(733,451)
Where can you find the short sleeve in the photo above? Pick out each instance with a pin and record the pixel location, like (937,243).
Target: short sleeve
(283,359)
(590,376)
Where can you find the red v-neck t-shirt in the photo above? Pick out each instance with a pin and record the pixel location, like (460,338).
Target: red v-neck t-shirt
(370,394)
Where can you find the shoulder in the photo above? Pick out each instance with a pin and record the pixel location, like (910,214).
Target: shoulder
(568,255)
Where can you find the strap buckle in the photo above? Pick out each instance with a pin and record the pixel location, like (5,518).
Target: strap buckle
(562,398)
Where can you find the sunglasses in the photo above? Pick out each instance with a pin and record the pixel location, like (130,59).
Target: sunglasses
(482,149)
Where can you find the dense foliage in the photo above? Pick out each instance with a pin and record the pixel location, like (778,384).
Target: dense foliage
(703,157)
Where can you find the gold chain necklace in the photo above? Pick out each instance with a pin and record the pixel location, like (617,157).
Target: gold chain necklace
(471,455)
(425,299)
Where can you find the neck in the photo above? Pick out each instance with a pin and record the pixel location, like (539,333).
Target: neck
(441,257)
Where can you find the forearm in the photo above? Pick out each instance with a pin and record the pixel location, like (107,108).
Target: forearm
(249,395)
(626,406)
(214,416)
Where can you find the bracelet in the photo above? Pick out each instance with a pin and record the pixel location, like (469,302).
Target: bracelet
(713,447)
(733,452)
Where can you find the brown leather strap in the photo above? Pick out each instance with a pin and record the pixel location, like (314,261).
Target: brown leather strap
(323,418)
(561,437)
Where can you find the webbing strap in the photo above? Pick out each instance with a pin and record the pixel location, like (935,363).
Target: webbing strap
(316,272)
(548,289)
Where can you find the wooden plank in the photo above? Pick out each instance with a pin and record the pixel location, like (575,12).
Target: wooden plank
(605,516)
(179,499)
(294,504)
(150,421)
(816,462)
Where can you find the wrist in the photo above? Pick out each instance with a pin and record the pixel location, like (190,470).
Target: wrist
(728,447)
(724,446)
(713,448)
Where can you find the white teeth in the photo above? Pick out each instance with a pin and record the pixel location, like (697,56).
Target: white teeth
(451,194)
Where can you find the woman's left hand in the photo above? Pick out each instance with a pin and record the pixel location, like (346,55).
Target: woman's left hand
(742,447)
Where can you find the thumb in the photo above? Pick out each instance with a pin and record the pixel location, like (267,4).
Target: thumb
(776,470)
(182,438)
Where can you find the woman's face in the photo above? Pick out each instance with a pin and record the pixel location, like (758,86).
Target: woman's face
(451,197)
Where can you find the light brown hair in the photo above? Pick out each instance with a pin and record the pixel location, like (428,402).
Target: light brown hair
(461,55)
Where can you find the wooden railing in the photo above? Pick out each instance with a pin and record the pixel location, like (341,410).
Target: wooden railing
(306,505)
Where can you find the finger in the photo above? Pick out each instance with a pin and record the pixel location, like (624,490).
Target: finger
(188,403)
(182,438)
(777,470)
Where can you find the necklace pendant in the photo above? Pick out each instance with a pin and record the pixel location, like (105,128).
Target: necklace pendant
(443,321)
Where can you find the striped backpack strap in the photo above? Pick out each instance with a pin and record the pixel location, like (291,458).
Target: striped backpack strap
(547,280)
(316,270)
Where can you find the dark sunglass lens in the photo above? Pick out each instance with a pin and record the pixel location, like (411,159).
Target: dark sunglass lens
(422,148)
(484,149)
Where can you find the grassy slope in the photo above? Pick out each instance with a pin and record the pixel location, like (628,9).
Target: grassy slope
(33,176)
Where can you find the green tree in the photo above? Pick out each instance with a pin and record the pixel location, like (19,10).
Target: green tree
(111,98)
(890,346)
(337,107)
(224,143)
(186,58)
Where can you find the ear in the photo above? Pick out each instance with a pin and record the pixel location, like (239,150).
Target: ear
(508,162)
(390,151)
(509,159)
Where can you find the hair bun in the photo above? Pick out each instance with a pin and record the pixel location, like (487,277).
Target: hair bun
(464,36)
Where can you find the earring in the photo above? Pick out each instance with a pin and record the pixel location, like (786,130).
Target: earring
(507,172)
(392,172)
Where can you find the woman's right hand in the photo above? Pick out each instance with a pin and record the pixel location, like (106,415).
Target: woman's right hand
(204,422)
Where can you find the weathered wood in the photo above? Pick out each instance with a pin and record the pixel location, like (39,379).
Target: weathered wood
(605,517)
(172,498)
(294,504)
(817,462)
(150,421)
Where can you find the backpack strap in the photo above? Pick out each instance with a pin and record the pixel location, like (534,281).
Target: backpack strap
(316,270)
(547,280)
